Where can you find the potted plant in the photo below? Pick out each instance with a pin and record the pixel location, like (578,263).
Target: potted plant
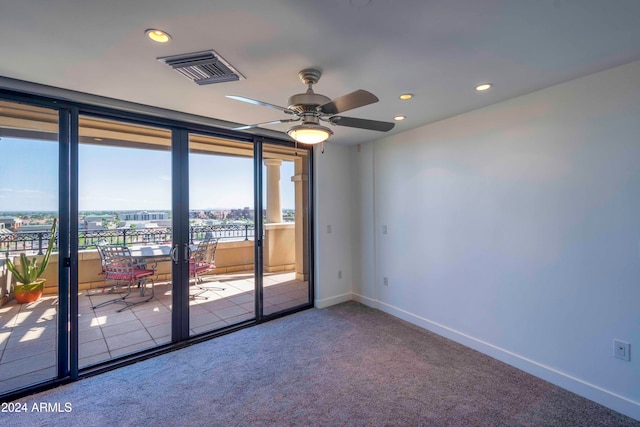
(29,286)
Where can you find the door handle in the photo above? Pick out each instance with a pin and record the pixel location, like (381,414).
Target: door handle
(187,253)
(174,254)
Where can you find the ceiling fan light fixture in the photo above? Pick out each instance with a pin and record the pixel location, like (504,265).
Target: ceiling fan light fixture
(309,133)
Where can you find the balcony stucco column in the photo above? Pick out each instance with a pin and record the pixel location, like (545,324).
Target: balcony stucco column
(274,209)
(278,247)
(301,182)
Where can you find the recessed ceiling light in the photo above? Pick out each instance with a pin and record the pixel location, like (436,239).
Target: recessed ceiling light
(406,96)
(398,118)
(483,86)
(158,35)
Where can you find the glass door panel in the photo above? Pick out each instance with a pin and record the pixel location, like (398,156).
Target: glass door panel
(29,155)
(221,230)
(124,239)
(285,249)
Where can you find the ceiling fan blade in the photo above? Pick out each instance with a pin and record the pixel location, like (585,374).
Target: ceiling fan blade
(254,102)
(362,123)
(352,100)
(274,122)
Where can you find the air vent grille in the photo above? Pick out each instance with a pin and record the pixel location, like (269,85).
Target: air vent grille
(203,68)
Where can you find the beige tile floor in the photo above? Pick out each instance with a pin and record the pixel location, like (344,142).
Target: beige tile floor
(28,331)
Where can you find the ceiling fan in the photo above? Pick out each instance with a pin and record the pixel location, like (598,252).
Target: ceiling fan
(311,108)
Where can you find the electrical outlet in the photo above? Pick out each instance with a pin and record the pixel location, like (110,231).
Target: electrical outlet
(622,350)
(339,274)
(384,229)
(385,281)
(329,229)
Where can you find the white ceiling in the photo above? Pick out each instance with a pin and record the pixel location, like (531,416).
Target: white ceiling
(438,50)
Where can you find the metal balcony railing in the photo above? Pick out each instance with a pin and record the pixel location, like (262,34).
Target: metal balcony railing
(35,242)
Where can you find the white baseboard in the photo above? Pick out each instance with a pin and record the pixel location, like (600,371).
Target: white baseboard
(327,302)
(370,302)
(602,396)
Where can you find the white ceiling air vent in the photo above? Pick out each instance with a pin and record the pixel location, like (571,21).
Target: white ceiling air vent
(203,68)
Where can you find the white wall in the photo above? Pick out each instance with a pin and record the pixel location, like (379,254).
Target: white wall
(513,229)
(363,223)
(332,194)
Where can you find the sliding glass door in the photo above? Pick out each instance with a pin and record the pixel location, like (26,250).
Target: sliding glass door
(29,159)
(221,233)
(285,189)
(168,233)
(124,239)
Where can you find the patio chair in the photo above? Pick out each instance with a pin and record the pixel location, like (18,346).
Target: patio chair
(202,261)
(99,248)
(121,267)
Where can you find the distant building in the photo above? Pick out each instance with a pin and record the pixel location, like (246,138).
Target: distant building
(239,214)
(92,225)
(11,223)
(197,215)
(144,216)
(219,214)
(96,222)
(99,218)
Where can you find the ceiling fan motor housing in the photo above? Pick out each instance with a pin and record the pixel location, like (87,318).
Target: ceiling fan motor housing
(310,118)
(307,102)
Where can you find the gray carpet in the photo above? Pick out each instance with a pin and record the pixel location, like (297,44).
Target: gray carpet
(346,365)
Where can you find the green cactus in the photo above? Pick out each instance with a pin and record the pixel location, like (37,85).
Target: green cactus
(29,271)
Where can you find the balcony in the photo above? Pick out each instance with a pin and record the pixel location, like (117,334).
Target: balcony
(28,332)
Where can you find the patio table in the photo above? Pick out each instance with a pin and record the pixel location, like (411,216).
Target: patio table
(153,253)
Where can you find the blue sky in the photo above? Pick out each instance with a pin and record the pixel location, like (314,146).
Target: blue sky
(28,175)
(113,178)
